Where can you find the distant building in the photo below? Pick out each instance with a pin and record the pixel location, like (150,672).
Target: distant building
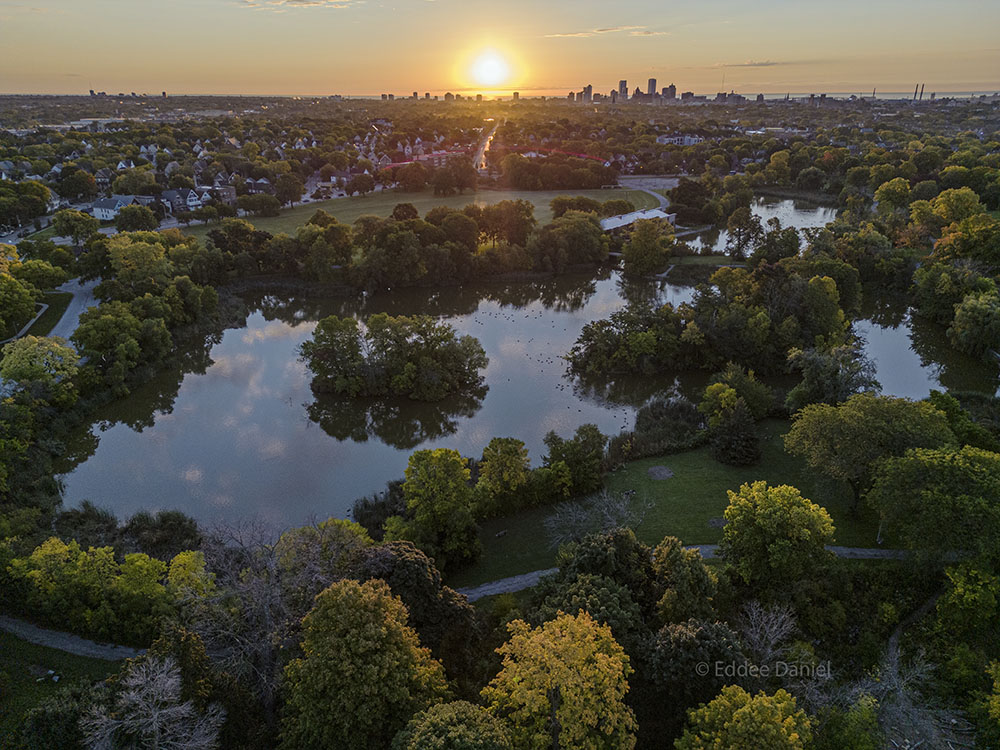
(687,95)
(449,97)
(588,93)
(479,98)
(670,92)
(385,97)
(623,90)
(760,98)
(651,86)
(517,96)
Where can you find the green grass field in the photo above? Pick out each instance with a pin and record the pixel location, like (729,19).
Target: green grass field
(702,260)
(348,210)
(681,506)
(57,302)
(24,663)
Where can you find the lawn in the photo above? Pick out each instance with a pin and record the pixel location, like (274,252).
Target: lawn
(703,260)
(681,506)
(57,302)
(24,663)
(382,203)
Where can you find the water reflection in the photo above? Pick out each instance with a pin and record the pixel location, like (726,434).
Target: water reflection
(233,429)
(397,422)
(791,213)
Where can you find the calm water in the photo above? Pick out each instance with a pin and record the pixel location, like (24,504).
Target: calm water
(235,430)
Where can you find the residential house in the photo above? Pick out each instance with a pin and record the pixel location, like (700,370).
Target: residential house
(103,178)
(106,209)
(181,199)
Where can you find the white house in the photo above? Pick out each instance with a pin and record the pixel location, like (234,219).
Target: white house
(107,209)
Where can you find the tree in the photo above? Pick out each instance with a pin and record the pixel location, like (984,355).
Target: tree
(563,684)
(17,305)
(360,656)
(439,500)
(675,654)
(955,205)
(76,225)
(735,720)
(42,366)
(745,232)
(503,472)
(40,274)
(453,726)
(115,341)
(444,619)
(941,501)
(830,376)
(617,555)
(893,196)
(773,535)
(360,184)
(846,441)
(136,218)
(288,189)
(976,327)
(147,711)
(405,212)
(415,356)
(604,599)
(733,435)
(688,585)
(648,247)
(412,177)
(582,454)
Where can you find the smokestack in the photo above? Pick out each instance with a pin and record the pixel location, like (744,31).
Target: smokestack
(873,93)
(915,91)
(922,91)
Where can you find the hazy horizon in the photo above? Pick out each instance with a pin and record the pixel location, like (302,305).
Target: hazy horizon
(364,47)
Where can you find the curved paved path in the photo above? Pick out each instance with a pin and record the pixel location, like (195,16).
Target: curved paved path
(708,551)
(83,297)
(71,644)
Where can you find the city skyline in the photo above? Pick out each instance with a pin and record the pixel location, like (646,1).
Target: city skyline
(355,48)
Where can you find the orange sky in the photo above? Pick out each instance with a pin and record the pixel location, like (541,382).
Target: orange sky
(365,47)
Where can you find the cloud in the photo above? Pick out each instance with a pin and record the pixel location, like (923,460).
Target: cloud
(645,32)
(595,32)
(753,64)
(280,6)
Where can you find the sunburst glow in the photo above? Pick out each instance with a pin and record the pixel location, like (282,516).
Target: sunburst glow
(490,69)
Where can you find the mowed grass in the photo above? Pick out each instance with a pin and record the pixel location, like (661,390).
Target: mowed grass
(347,210)
(57,302)
(682,506)
(703,260)
(24,663)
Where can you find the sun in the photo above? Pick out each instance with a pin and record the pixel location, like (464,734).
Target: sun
(490,68)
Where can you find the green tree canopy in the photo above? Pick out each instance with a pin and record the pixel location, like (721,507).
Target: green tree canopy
(773,535)
(362,674)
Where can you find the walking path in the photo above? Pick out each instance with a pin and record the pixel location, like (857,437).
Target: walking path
(708,551)
(71,644)
(83,297)
(42,307)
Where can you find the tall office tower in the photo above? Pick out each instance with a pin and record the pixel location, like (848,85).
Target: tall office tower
(614,97)
(623,90)
(588,93)
(517,96)
(670,92)
(651,86)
